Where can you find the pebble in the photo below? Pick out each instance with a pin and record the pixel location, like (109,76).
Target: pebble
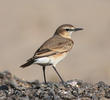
(13,88)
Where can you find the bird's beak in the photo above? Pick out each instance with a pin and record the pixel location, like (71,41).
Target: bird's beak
(77,29)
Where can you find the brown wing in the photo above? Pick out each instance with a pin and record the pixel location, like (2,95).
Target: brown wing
(56,44)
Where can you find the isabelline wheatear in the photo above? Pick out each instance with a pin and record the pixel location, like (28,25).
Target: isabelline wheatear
(54,49)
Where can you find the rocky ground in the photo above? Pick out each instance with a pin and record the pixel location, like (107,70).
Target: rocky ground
(13,88)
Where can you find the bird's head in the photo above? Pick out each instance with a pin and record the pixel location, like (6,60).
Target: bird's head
(66,30)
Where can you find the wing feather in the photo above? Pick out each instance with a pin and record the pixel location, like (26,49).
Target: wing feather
(53,46)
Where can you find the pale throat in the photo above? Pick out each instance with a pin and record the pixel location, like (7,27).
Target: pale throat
(66,34)
(70,33)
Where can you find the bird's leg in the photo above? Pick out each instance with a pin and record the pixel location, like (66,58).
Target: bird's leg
(43,67)
(58,74)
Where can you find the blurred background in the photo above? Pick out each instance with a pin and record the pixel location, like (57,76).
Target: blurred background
(26,24)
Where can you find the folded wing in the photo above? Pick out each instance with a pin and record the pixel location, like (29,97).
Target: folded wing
(53,46)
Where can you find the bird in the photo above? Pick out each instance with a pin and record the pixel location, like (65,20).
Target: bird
(55,49)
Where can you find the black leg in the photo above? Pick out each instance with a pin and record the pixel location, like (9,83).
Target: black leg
(43,67)
(58,74)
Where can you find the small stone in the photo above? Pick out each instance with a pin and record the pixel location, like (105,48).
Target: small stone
(13,88)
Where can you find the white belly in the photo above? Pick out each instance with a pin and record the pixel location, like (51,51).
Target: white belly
(42,61)
(51,60)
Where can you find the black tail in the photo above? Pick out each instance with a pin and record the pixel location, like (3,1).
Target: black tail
(28,63)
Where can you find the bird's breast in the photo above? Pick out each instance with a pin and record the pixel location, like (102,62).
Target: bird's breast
(57,58)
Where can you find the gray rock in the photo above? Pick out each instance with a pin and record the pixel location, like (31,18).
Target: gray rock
(13,88)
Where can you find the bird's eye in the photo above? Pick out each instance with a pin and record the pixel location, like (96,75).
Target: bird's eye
(67,29)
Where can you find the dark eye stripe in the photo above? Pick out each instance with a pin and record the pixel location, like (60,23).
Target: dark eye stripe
(69,29)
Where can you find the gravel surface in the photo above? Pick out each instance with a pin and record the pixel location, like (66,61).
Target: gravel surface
(13,88)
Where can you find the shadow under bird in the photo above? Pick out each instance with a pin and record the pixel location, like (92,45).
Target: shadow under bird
(54,49)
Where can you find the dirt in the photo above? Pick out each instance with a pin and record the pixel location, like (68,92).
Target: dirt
(13,88)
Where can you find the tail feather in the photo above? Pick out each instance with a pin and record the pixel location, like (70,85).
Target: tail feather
(28,63)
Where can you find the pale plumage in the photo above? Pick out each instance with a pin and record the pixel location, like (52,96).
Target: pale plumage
(54,49)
